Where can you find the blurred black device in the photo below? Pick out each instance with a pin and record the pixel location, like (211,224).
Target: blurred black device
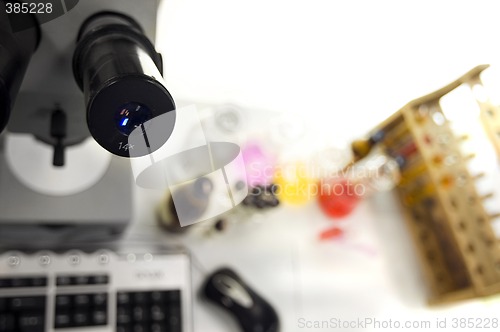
(227,290)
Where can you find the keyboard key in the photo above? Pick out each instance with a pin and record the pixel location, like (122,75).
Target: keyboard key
(157,313)
(7,322)
(124,328)
(139,314)
(174,319)
(140,328)
(81,318)
(140,297)
(123,316)
(99,317)
(173,312)
(80,280)
(3,304)
(63,300)
(158,297)
(173,295)
(62,319)
(63,281)
(39,282)
(31,322)
(5,282)
(156,327)
(99,280)
(27,303)
(174,328)
(100,300)
(123,298)
(82,300)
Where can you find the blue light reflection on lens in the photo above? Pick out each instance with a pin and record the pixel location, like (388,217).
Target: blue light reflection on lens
(130,116)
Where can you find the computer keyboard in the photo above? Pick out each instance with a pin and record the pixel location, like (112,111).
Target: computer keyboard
(96,290)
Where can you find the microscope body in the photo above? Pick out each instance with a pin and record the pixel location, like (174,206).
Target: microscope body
(98,212)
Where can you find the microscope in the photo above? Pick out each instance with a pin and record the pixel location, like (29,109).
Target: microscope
(77,78)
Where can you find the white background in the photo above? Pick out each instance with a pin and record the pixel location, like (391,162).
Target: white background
(350,63)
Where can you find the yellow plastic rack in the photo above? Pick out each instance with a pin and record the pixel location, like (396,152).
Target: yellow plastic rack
(450,227)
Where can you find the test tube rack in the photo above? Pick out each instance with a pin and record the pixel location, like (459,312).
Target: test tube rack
(451,229)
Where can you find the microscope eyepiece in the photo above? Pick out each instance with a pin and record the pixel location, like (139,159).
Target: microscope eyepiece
(120,72)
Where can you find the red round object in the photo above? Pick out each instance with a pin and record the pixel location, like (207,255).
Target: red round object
(338,197)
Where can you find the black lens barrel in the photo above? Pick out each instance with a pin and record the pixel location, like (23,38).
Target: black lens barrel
(115,64)
(110,45)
